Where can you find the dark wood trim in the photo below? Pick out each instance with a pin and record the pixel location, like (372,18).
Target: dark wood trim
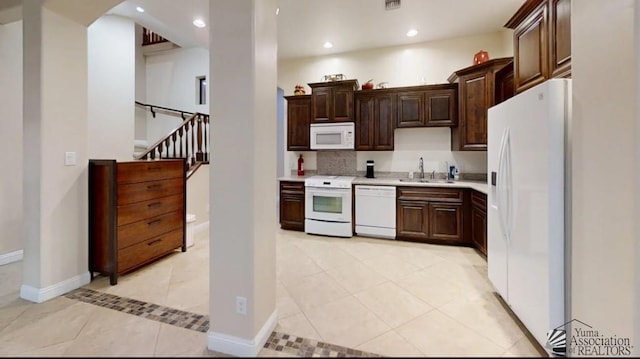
(498,63)
(522,13)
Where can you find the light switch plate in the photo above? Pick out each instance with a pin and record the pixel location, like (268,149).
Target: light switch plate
(69,158)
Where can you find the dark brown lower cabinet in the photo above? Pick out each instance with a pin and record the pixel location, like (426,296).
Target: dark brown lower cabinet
(412,220)
(431,215)
(292,205)
(479,221)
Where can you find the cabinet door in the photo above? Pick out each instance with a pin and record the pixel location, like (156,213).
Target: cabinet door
(445,221)
(384,122)
(292,205)
(342,102)
(298,119)
(479,229)
(321,101)
(560,38)
(473,107)
(441,108)
(504,84)
(365,122)
(412,220)
(530,50)
(410,109)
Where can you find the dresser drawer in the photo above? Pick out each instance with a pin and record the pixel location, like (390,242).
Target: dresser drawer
(144,191)
(142,230)
(141,253)
(134,212)
(141,171)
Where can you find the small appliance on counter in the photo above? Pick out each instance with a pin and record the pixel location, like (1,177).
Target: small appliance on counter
(370,164)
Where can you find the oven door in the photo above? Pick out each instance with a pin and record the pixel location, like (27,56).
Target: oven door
(328,204)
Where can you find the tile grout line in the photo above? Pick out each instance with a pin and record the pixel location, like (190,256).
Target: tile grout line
(198,322)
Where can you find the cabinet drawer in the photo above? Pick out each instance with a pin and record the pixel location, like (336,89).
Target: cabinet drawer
(140,171)
(430,194)
(292,187)
(144,191)
(148,250)
(139,231)
(138,211)
(479,199)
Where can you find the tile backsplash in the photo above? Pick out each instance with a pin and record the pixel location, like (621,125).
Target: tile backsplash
(337,163)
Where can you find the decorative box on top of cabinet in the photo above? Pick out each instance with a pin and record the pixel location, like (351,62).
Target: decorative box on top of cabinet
(541,42)
(476,93)
(137,213)
(332,101)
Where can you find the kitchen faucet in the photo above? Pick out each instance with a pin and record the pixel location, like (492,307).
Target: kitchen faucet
(433,174)
(421,167)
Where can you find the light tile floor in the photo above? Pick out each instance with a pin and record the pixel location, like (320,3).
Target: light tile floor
(390,298)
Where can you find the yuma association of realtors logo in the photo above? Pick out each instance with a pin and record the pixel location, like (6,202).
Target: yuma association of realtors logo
(586,341)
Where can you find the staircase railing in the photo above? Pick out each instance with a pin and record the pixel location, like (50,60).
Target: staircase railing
(190,140)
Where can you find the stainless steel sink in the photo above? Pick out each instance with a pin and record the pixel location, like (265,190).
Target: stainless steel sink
(425,180)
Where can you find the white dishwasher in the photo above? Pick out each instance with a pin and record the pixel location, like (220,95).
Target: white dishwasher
(376,211)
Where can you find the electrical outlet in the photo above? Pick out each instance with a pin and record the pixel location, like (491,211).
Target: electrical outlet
(241,305)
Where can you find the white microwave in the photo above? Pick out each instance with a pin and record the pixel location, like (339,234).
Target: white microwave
(332,136)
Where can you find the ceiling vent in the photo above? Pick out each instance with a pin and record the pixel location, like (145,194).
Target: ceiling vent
(391,4)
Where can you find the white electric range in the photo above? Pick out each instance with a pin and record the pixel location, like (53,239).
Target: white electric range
(328,206)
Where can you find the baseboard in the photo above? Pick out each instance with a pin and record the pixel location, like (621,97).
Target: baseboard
(42,295)
(11,257)
(228,344)
(202,227)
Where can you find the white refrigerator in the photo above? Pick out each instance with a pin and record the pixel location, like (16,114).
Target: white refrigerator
(527,136)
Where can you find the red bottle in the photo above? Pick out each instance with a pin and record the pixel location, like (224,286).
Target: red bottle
(300,166)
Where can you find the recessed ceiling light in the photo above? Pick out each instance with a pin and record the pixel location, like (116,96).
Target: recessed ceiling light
(328,45)
(199,23)
(277,10)
(412,32)
(139,9)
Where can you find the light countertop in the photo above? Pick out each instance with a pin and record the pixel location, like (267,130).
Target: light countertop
(480,186)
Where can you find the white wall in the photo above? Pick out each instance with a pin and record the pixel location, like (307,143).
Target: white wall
(55,121)
(171,82)
(401,66)
(11,137)
(111,60)
(605,159)
(141,87)
(242,222)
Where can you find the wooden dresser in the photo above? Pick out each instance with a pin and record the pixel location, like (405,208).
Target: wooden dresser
(137,213)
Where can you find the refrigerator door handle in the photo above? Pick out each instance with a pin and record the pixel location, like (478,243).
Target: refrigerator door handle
(508,181)
(500,188)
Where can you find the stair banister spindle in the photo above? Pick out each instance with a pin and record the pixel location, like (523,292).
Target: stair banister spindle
(206,138)
(199,154)
(193,151)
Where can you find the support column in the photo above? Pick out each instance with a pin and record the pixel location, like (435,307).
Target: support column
(243,72)
(55,122)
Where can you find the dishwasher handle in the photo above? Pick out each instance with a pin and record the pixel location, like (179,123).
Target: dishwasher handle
(376,191)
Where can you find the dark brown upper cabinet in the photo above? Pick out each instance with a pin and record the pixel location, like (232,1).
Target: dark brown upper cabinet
(332,101)
(298,120)
(375,120)
(427,106)
(541,42)
(477,92)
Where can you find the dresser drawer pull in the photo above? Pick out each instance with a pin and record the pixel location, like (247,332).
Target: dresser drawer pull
(154,186)
(154,204)
(154,222)
(156,168)
(154,242)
